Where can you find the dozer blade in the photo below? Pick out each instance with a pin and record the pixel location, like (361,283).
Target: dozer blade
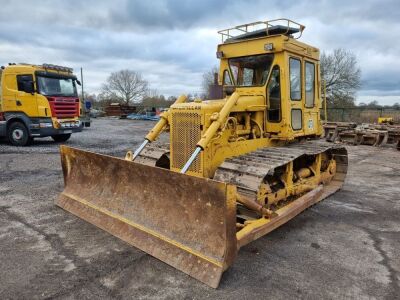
(185,221)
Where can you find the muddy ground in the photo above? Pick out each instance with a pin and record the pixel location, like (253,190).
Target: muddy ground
(345,247)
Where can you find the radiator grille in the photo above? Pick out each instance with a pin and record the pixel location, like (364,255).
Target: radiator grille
(185,133)
(64,107)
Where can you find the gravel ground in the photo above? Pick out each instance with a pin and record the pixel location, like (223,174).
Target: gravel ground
(345,247)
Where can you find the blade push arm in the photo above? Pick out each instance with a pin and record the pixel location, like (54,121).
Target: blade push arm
(218,119)
(158,128)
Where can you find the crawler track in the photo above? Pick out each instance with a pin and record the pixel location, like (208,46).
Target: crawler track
(248,171)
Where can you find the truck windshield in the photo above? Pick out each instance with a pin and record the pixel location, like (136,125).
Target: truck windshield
(251,70)
(50,86)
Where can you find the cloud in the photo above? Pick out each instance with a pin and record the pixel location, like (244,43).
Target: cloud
(173,42)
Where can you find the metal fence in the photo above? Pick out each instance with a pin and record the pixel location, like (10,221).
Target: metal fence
(360,114)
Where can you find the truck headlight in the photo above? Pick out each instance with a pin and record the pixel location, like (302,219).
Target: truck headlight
(46,125)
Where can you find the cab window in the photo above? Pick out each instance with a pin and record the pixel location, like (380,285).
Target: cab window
(251,70)
(23,81)
(227,78)
(274,96)
(297,119)
(310,83)
(295,78)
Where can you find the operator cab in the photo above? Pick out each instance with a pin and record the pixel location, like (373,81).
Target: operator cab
(266,58)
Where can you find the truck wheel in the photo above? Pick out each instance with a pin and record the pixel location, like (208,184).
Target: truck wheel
(87,124)
(18,135)
(61,137)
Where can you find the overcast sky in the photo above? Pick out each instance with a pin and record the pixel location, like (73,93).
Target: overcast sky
(173,42)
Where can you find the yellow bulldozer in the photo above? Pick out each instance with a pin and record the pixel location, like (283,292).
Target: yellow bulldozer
(235,168)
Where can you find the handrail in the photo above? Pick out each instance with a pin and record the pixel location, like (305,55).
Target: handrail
(244,28)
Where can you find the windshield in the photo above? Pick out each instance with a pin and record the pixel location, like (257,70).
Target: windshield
(251,70)
(50,86)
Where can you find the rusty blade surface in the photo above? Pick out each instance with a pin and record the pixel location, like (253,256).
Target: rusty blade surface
(185,221)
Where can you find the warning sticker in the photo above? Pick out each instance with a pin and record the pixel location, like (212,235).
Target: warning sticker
(310,124)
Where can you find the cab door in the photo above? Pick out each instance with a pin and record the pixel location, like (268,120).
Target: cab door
(274,101)
(310,122)
(26,97)
(296,95)
(9,91)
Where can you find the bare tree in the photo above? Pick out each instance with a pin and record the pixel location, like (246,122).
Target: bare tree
(125,86)
(342,76)
(87,96)
(103,100)
(208,79)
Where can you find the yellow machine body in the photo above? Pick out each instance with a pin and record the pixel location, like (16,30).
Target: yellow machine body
(385,120)
(244,175)
(250,111)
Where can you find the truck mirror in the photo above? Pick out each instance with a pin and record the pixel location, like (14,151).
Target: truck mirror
(78,82)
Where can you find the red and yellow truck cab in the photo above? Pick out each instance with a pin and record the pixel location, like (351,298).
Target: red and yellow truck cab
(38,101)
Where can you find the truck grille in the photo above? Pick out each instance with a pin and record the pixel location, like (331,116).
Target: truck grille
(185,133)
(64,107)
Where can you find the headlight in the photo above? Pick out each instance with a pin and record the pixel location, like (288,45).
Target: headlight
(45,125)
(269,47)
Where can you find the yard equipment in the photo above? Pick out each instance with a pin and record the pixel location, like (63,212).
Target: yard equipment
(392,126)
(365,134)
(235,169)
(386,120)
(38,101)
(332,129)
